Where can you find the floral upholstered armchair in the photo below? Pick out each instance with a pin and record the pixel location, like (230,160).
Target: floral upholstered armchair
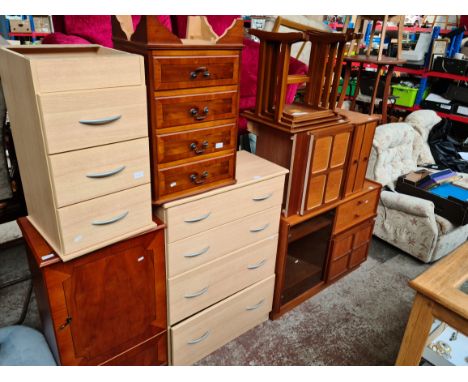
(405,221)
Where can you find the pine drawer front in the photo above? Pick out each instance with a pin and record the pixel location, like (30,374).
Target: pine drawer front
(195,144)
(356,210)
(108,218)
(196,175)
(191,252)
(205,332)
(84,119)
(84,71)
(203,286)
(180,70)
(200,215)
(176,110)
(85,174)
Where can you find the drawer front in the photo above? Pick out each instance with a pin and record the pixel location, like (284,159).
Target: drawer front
(195,109)
(85,72)
(358,256)
(74,121)
(356,210)
(184,71)
(89,173)
(341,246)
(338,267)
(196,250)
(197,289)
(200,215)
(195,143)
(194,176)
(205,332)
(108,217)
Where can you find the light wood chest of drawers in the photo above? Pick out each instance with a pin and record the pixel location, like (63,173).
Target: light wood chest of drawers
(79,123)
(220,258)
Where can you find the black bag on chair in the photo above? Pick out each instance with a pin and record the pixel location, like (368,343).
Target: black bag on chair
(445,148)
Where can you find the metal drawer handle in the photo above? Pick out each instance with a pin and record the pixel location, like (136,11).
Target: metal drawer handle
(256,306)
(264,197)
(67,322)
(200,69)
(197,219)
(105,173)
(257,265)
(111,220)
(195,254)
(363,202)
(199,339)
(194,113)
(101,121)
(197,293)
(259,229)
(194,178)
(196,149)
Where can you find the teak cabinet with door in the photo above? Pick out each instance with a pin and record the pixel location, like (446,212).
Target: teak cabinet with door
(193,97)
(104,308)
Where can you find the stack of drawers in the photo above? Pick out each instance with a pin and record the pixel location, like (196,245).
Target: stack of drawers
(193,97)
(220,255)
(194,121)
(79,124)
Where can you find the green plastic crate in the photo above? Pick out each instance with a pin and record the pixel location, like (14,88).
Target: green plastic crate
(351,86)
(406,95)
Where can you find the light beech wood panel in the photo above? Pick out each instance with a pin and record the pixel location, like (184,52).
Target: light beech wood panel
(82,224)
(18,87)
(334,180)
(62,113)
(205,332)
(340,149)
(191,252)
(62,71)
(315,191)
(201,287)
(82,175)
(202,214)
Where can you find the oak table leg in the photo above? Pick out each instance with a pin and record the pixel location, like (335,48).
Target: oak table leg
(388,82)
(376,88)
(416,333)
(345,84)
(356,91)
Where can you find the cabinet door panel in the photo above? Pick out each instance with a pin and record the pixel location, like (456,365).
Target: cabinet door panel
(108,301)
(358,256)
(321,156)
(340,149)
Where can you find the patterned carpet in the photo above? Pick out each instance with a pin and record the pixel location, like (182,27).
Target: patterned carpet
(359,320)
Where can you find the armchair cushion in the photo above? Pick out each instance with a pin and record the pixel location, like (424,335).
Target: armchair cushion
(422,122)
(407,204)
(391,154)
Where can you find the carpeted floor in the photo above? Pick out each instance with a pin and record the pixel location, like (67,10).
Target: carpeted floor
(359,320)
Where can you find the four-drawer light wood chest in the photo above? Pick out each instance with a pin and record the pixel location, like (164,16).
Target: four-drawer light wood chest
(221,255)
(81,138)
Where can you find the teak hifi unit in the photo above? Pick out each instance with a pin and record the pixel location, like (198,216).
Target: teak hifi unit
(328,206)
(193,96)
(78,119)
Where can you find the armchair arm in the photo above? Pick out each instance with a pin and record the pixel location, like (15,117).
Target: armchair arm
(408,204)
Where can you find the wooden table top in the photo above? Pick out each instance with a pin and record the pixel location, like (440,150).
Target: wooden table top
(373,60)
(442,281)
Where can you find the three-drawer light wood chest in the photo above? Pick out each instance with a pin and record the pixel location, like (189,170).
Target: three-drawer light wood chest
(78,118)
(193,97)
(220,258)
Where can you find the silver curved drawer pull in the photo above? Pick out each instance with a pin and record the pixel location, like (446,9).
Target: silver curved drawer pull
(264,197)
(100,121)
(257,265)
(197,219)
(111,220)
(199,339)
(105,173)
(259,229)
(256,306)
(195,254)
(197,293)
